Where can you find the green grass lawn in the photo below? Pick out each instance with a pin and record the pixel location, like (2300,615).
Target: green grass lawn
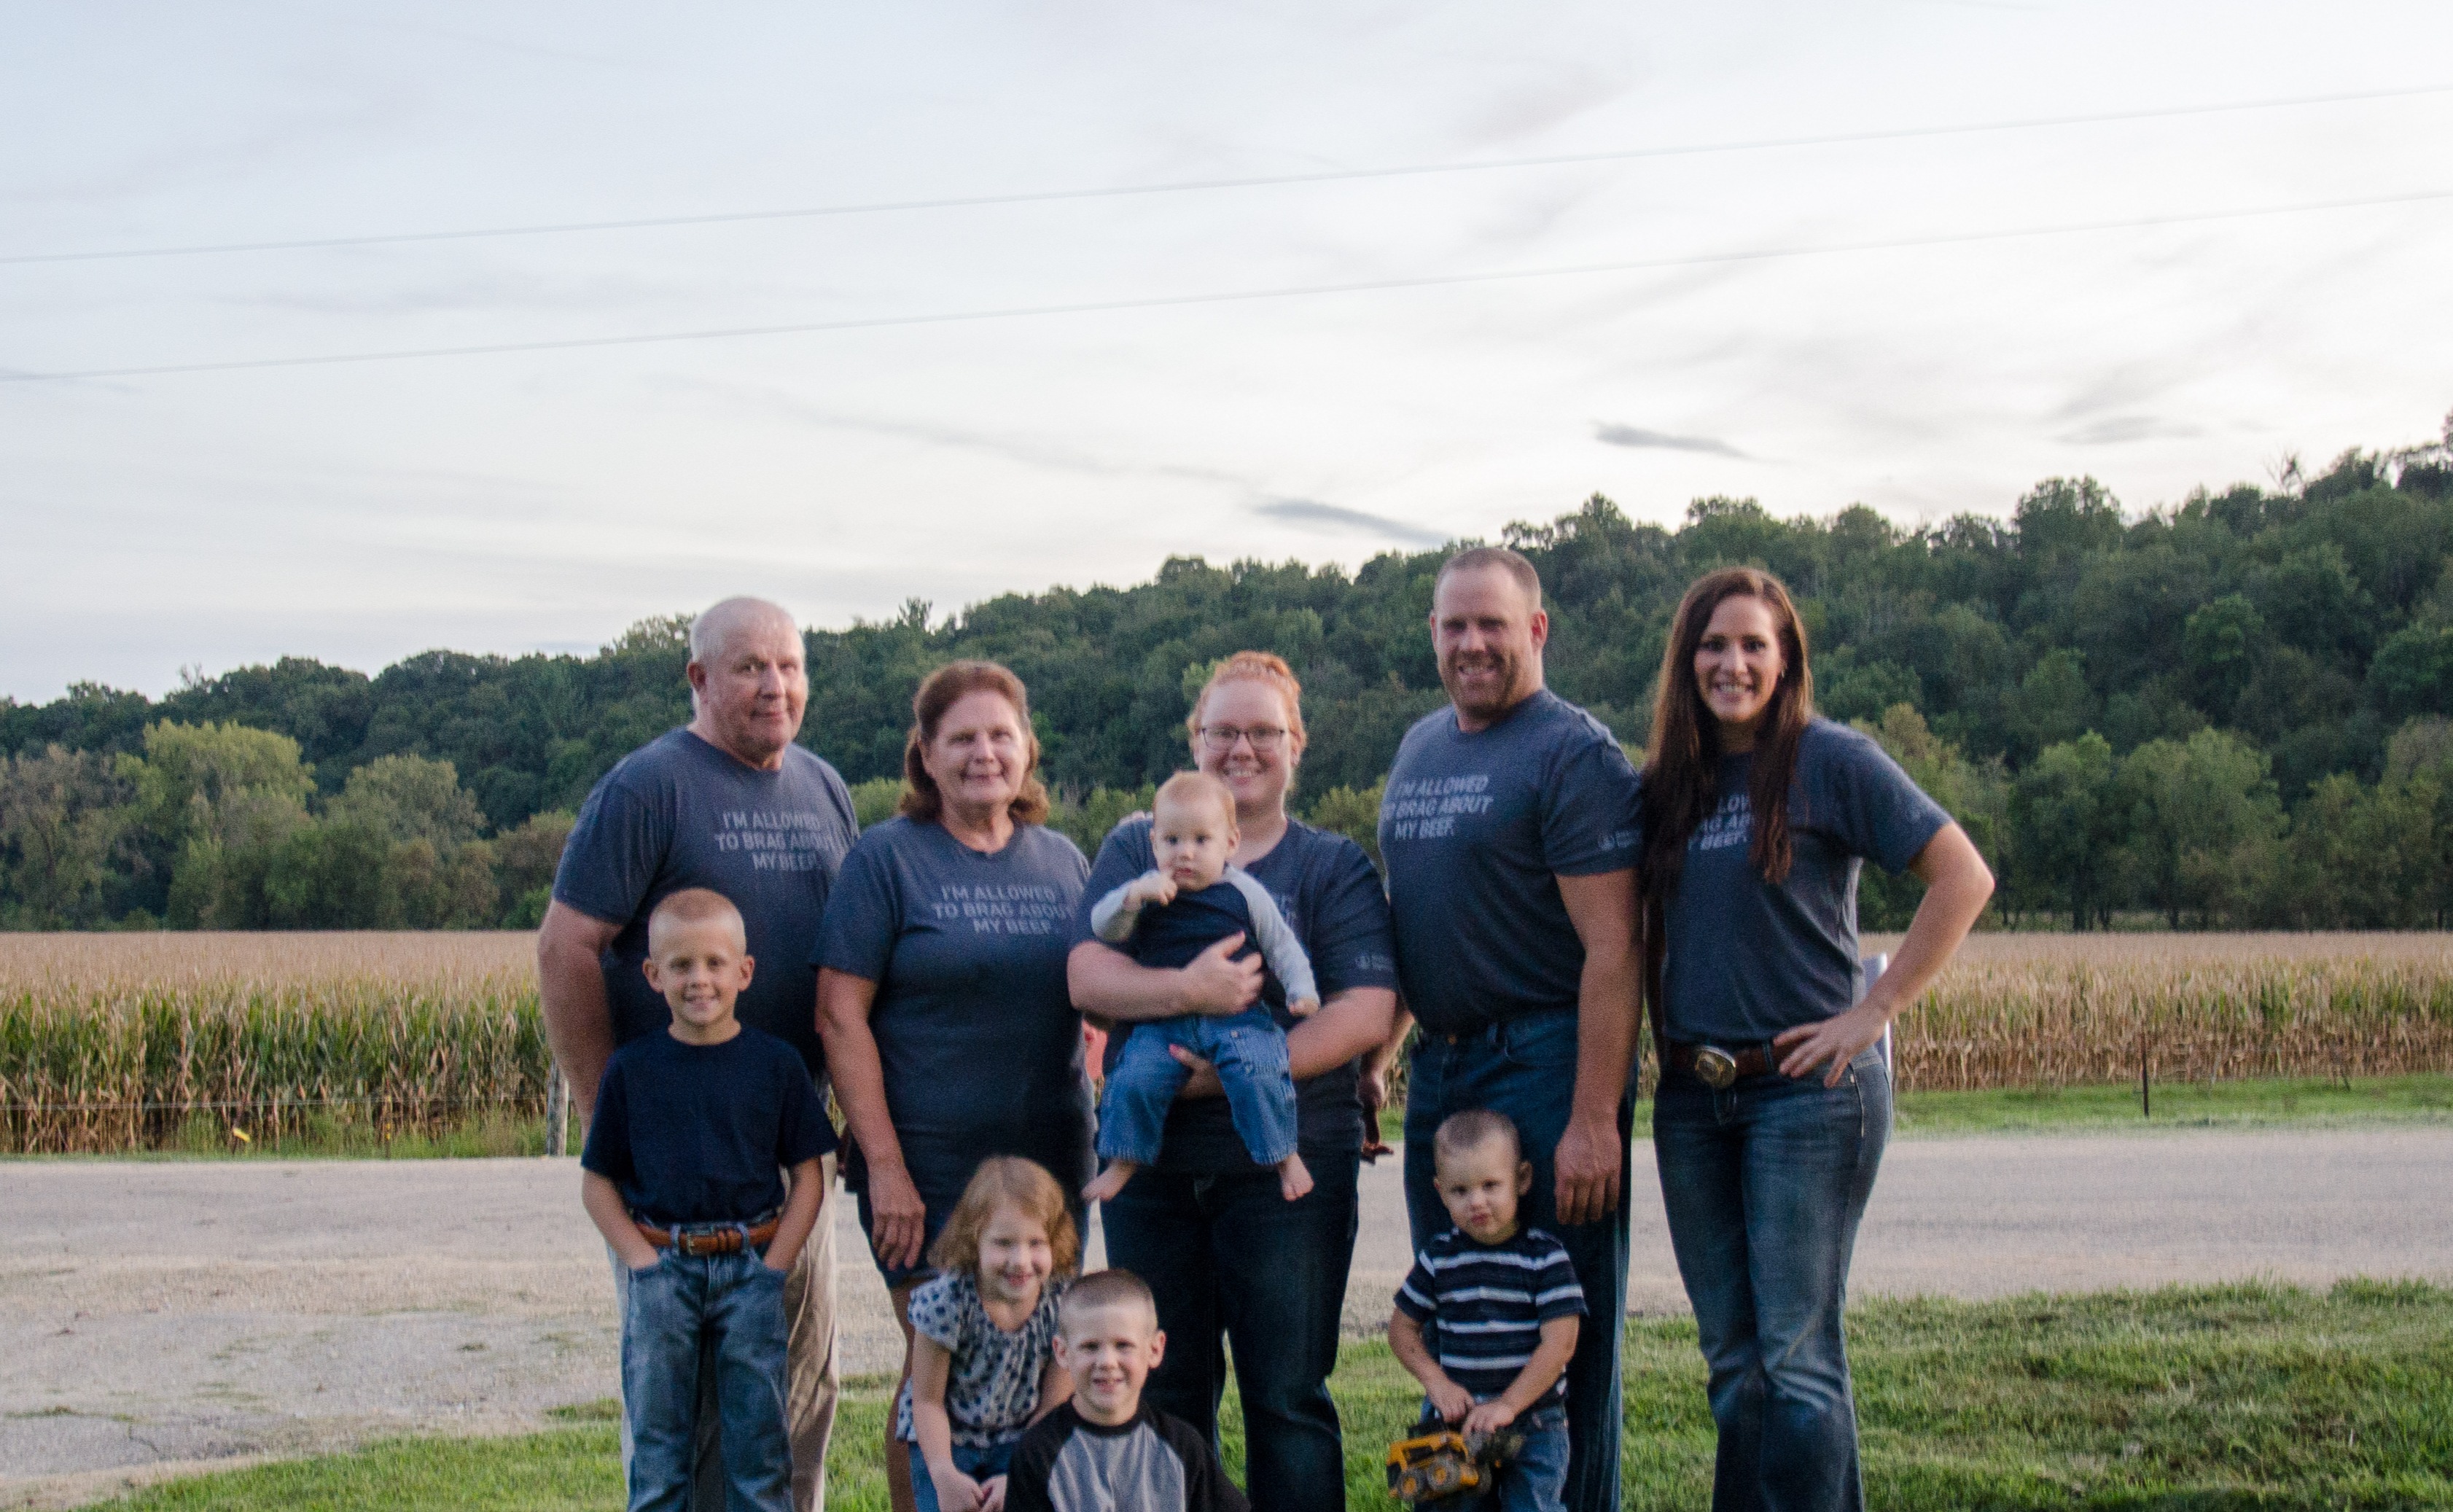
(2319,1102)
(2193,1398)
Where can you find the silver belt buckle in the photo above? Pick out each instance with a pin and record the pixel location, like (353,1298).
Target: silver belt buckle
(1715,1067)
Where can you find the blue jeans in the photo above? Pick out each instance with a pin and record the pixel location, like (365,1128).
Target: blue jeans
(1250,1050)
(1231,1262)
(1526,1068)
(1764,1183)
(1535,1480)
(980,1465)
(733,1304)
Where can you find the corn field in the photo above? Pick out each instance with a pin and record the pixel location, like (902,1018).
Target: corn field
(2068,1010)
(112,1043)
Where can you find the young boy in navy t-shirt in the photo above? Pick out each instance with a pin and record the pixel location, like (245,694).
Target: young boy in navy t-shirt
(685,1167)
(1488,1318)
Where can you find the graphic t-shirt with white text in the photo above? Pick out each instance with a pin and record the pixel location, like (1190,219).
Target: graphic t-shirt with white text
(975,1024)
(678,813)
(1747,960)
(1475,830)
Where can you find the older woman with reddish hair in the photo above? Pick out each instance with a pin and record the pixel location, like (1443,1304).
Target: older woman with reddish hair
(942,994)
(1230,1260)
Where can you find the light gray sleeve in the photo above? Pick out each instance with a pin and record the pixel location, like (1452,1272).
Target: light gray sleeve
(1110,921)
(1276,939)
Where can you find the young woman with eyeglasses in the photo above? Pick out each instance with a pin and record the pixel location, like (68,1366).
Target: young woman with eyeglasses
(1229,1259)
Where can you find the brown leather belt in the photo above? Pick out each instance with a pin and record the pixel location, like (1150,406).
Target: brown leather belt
(708,1242)
(1718,1069)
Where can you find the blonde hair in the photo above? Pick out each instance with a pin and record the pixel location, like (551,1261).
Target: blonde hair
(1005,1181)
(1107,1289)
(696,905)
(1253,667)
(1192,787)
(940,690)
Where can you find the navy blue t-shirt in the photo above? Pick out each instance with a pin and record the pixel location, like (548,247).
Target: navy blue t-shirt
(1325,886)
(701,1133)
(1476,830)
(1746,960)
(678,813)
(975,1024)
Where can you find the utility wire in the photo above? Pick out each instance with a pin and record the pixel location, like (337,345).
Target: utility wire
(1230,296)
(1191,186)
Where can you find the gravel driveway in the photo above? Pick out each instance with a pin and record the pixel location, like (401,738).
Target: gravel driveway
(165,1316)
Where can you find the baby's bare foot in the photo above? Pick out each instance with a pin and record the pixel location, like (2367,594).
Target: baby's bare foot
(1294,1178)
(1112,1179)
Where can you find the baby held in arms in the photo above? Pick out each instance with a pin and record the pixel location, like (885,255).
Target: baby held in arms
(1193,898)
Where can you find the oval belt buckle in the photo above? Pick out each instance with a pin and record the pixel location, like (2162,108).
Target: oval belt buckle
(1716,1069)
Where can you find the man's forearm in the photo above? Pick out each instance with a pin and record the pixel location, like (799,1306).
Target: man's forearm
(578,1019)
(1605,1015)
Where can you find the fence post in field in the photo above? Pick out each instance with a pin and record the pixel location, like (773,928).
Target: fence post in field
(557,1114)
(2145,1078)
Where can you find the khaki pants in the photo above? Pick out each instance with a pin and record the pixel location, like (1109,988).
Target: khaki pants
(811,1381)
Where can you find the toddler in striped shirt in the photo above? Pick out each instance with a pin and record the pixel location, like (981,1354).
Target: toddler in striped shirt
(1488,1318)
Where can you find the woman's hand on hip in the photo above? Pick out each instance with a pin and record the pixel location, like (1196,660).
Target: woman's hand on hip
(1838,1040)
(1217,983)
(898,1219)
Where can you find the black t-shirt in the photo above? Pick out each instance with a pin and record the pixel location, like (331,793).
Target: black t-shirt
(701,1133)
(1153,1462)
(678,813)
(1326,887)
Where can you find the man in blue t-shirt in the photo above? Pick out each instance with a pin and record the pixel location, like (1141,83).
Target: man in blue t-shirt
(728,803)
(1507,831)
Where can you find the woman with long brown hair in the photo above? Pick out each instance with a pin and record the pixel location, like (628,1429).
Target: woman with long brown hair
(1775,1099)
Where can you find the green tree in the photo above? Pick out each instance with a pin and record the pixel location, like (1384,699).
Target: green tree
(65,821)
(524,861)
(1977,794)
(2064,829)
(2203,818)
(1355,815)
(411,798)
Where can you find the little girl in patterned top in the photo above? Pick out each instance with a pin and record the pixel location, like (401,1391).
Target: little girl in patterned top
(983,1331)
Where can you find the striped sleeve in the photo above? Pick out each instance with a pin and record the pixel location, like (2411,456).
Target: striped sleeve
(1556,1292)
(1415,1296)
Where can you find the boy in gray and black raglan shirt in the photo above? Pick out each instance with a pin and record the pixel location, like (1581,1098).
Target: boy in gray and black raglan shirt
(1105,1450)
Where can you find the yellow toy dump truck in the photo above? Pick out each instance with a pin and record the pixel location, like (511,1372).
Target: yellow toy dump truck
(1445,1471)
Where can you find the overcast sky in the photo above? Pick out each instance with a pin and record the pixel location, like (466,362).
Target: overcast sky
(1900,350)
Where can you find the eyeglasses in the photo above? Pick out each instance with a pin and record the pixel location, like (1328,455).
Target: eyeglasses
(1223,737)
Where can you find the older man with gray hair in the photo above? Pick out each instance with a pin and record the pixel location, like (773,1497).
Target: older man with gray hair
(730,802)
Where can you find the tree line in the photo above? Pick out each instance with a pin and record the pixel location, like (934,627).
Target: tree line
(2229,711)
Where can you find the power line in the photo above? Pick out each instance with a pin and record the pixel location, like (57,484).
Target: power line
(1191,186)
(1230,296)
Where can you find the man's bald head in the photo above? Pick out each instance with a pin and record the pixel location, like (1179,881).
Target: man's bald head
(713,630)
(748,684)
